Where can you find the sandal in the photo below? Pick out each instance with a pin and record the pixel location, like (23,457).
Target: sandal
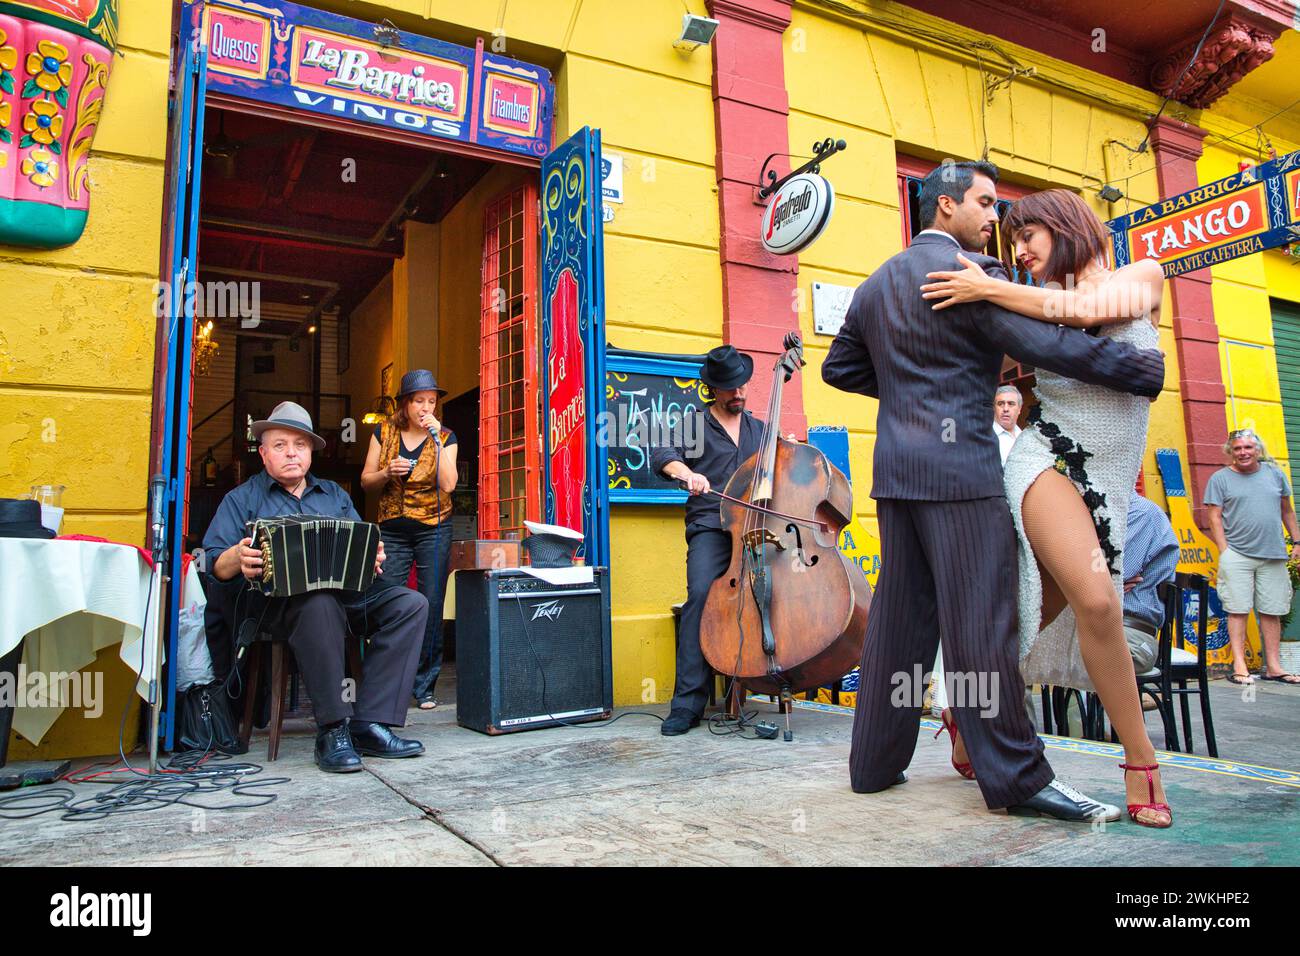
(429,703)
(1240,679)
(1135,808)
(1281,678)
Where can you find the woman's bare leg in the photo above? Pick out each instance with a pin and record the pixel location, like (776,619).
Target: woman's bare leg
(1061,532)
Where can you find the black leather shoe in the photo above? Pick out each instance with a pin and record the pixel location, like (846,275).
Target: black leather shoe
(1062,802)
(378,740)
(334,751)
(679,721)
(900,779)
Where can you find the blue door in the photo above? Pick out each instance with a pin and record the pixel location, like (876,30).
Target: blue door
(573,342)
(182,259)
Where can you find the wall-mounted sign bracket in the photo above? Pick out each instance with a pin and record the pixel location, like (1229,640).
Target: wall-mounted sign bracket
(821,152)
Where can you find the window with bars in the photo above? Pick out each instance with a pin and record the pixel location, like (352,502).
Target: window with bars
(509,413)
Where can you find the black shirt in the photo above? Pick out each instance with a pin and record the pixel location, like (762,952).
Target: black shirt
(717,459)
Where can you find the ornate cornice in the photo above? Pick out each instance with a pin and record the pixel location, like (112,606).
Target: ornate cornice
(1232,49)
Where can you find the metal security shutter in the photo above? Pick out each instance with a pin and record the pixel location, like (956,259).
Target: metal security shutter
(1286,339)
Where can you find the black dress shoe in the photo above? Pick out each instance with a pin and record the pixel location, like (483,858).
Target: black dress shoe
(1062,802)
(378,740)
(334,751)
(901,778)
(679,721)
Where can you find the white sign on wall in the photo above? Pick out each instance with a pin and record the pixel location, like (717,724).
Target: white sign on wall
(797,214)
(830,303)
(611,177)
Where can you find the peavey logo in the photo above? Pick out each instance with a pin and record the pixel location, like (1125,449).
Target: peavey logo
(75,908)
(352,71)
(550,610)
(783,212)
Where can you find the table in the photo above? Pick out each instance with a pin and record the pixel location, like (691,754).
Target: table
(61,602)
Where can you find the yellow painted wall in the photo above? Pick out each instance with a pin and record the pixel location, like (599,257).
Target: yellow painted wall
(77,339)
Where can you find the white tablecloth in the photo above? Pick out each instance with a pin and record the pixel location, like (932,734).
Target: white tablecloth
(69,599)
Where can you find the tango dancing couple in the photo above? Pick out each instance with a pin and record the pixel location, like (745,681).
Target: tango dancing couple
(927,335)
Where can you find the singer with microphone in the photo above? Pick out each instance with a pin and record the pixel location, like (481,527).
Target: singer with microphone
(725,435)
(412,463)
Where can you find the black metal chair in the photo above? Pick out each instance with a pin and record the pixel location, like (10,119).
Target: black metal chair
(1176,665)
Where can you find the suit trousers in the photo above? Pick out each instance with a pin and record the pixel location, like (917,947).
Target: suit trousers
(392,617)
(949,572)
(708,552)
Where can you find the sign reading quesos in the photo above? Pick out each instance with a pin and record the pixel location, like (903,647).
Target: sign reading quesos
(797,214)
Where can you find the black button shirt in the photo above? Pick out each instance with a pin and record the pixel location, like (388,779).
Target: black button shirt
(263,497)
(717,460)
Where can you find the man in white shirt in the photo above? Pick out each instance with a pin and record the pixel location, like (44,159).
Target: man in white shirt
(1006,409)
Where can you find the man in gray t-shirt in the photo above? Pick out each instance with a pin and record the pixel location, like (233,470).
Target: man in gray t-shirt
(1248,503)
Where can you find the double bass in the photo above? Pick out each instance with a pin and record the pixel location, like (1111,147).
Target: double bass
(790,612)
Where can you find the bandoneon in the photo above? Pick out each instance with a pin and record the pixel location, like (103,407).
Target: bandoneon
(301,554)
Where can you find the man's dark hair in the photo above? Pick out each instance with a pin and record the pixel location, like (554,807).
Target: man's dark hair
(952,180)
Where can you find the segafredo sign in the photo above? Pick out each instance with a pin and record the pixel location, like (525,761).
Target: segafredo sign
(797,213)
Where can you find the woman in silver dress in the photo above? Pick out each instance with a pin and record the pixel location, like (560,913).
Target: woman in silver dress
(1071,471)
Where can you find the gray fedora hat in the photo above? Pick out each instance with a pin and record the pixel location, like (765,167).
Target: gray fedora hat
(289,415)
(419,380)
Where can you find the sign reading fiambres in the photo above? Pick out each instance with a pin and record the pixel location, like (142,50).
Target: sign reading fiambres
(1253,210)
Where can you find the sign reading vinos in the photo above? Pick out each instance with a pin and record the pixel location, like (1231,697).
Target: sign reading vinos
(308,59)
(1245,213)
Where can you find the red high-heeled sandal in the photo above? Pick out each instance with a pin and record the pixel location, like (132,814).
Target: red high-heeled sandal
(1135,808)
(947,723)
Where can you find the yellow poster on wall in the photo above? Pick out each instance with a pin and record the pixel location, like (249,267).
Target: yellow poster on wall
(1197,554)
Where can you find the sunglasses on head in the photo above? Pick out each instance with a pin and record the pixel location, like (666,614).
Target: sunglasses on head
(1240,433)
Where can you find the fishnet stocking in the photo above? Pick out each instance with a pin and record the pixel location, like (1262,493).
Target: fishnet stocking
(1064,540)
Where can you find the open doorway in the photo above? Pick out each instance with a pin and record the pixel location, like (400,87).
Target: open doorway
(331,264)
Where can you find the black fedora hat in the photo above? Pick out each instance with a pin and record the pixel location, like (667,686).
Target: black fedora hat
(724,367)
(21,518)
(419,380)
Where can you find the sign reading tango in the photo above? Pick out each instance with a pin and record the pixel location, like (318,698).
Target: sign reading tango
(317,61)
(1248,212)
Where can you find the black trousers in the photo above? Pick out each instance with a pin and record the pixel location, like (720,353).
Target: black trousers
(392,617)
(949,569)
(708,552)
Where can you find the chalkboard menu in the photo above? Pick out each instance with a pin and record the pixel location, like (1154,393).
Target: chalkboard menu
(648,401)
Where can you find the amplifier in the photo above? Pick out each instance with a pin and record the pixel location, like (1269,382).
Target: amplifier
(531,654)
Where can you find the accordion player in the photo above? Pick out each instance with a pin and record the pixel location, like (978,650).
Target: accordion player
(302,553)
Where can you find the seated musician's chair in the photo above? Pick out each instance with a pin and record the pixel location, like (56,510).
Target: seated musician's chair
(271,651)
(1176,665)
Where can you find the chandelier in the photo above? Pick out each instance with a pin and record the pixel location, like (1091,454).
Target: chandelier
(205,350)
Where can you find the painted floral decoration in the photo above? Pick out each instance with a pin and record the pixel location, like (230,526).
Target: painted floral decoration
(41,167)
(50,70)
(44,124)
(8,60)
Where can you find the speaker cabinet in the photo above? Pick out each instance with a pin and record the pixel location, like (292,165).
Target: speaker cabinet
(531,654)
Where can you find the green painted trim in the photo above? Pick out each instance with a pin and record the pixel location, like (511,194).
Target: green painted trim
(50,20)
(39,225)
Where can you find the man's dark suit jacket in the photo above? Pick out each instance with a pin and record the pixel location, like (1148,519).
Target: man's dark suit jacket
(935,373)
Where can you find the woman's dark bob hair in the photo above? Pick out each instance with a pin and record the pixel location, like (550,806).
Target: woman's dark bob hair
(1079,237)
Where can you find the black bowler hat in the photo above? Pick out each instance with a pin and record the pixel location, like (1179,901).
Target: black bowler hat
(724,367)
(419,380)
(21,518)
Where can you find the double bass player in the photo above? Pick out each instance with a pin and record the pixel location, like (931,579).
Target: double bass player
(728,436)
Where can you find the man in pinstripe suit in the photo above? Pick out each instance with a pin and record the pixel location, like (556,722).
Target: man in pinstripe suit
(946,534)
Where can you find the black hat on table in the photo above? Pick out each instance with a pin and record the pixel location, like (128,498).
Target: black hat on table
(21,518)
(724,367)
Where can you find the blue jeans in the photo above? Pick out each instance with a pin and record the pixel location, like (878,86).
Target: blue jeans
(430,549)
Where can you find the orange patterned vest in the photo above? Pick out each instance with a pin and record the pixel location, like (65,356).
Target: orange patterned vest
(415,495)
